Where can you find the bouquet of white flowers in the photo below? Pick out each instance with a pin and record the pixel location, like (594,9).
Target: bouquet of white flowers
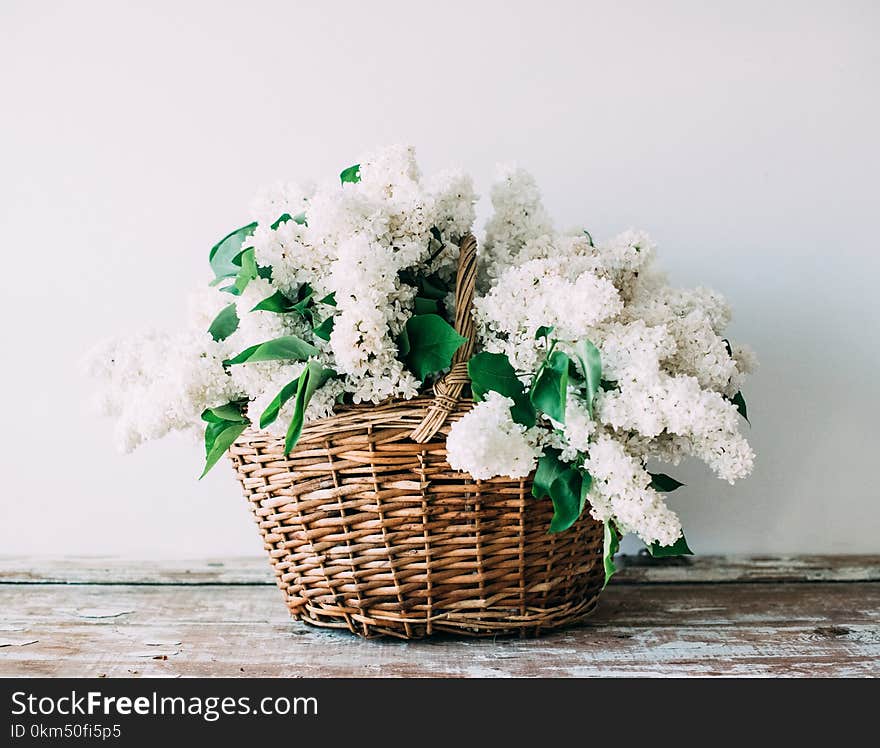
(587,365)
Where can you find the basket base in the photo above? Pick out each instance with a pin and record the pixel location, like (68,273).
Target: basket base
(494,623)
(371,532)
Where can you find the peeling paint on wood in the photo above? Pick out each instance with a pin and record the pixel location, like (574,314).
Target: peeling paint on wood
(660,626)
(256,570)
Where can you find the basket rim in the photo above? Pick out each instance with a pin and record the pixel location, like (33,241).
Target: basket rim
(391,413)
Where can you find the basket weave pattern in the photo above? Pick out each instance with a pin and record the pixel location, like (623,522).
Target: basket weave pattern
(369,529)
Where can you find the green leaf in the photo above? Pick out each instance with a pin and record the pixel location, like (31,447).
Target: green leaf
(565,492)
(591,365)
(324,329)
(431,287)
(492,372)
(426,306)
(543,331)
(277,302)
(223,252)
(224,324)
(589,237)
(313,376)
(224,424)
(229,412)
(269,415)
(586,485)
(678,548)
(351,174)
(329,299)
(286,348)
(549,469)
(550,388)
(611,546)
(219,438)
(432,342)
(403,346)
(299,218)
(248,270)
(663,482)
(740,402)
(283,218)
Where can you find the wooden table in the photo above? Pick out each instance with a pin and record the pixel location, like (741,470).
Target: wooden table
(729,616)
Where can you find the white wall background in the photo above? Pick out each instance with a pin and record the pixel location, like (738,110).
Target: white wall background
(744,138)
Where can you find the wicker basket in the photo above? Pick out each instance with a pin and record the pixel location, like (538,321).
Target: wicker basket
(369,529)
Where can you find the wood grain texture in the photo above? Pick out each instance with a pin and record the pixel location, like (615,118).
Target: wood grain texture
(199,619)
(256,570)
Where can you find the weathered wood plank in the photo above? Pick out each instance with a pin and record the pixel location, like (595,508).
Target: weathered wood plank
(732,630)
(256,570)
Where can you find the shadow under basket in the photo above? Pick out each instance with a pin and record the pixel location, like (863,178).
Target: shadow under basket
(369,529)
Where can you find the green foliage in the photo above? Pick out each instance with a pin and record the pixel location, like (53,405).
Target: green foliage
(550,467)
(428,343)
(663,482)
(740,402)
(426,306)
(431,287)
(543,331)
(611,546)
(224,324)
(299,218)
(304,306)
(549,390)
(313,376)
(678,548)
(277,302)
(285,348)
(586,485)
(223,252)
(229,412)
(591,367)
(567,487)
(283,218)
(224,425)
(248,271)
(270,414)
(302,388)
(324,329)
(351,174)
(493,372)
(428,286)
(565,492)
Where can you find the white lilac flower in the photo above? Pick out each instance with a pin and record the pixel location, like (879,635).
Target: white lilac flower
(157,383)
(621,490)
(486,442)
(669,371)
(519,217)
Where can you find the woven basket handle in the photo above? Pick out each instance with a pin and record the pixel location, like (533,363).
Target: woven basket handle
(448,389)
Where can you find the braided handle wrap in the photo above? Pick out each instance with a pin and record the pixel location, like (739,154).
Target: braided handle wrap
(448,389)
